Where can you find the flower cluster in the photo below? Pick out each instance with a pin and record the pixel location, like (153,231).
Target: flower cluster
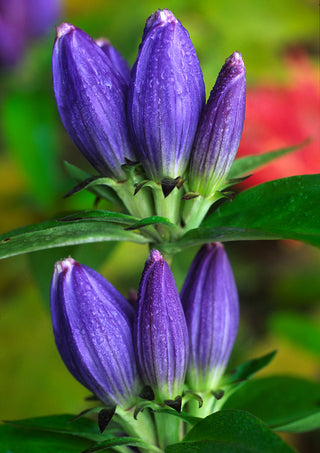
(153,116)
(166,342)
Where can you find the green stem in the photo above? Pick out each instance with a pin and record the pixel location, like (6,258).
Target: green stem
(139,205)
(169,206)
(168,429)
(141,427)
(197,212)
(207,408)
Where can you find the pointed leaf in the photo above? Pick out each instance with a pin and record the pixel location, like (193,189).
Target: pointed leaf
(89,182)
(249,368)
(247,164)
(309,423)
(154,220)
(237,431)
(63,424)
(21,440)
(80,228)
(121,441)
(286,208)
(280,401)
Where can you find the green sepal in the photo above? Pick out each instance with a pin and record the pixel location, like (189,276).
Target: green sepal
(93,184)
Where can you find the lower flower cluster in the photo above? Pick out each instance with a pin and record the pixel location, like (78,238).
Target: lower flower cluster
(167,343)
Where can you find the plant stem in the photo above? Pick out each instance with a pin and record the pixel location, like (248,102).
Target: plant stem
(167,207)
(139,205)
(197,212)
(141,427)
(168,429)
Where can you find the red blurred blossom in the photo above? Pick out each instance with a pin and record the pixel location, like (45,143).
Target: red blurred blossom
(279,116)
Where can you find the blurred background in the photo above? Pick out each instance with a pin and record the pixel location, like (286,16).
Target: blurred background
(278,281)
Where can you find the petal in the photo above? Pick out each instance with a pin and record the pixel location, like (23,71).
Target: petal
(92,325)
(210,301)
(161,337)
(91,96)
(166,97)
(220,128)
(117,59)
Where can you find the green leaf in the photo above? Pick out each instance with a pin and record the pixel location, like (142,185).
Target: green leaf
(83,227)
(231,431)
(249,368)
(309,423)
(63,424)
(154,220)
(280,401)
(21,440)
(91,183)
(247,164)
(182,415)
(121,441)
(286,208)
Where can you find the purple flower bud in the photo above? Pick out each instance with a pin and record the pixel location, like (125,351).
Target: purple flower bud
(92,325)
(91,96)
(210,301)
(160,333)
(117,59)
(220,128)
(166,97)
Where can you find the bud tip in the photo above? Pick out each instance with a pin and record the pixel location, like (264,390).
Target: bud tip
(64,29)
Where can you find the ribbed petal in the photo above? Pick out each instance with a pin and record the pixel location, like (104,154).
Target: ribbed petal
(92,325)
(220,128)
(91,96)
(161,337)
(117,59)
(210,301)
(166,97)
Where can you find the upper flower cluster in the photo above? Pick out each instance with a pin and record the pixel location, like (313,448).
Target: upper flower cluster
(156,114)
(116,350)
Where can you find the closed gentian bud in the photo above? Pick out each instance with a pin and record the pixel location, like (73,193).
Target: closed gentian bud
(210,301)
(220,128)
(166,97)
(160,332)
(92,325)
(117,59)
(91,96)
